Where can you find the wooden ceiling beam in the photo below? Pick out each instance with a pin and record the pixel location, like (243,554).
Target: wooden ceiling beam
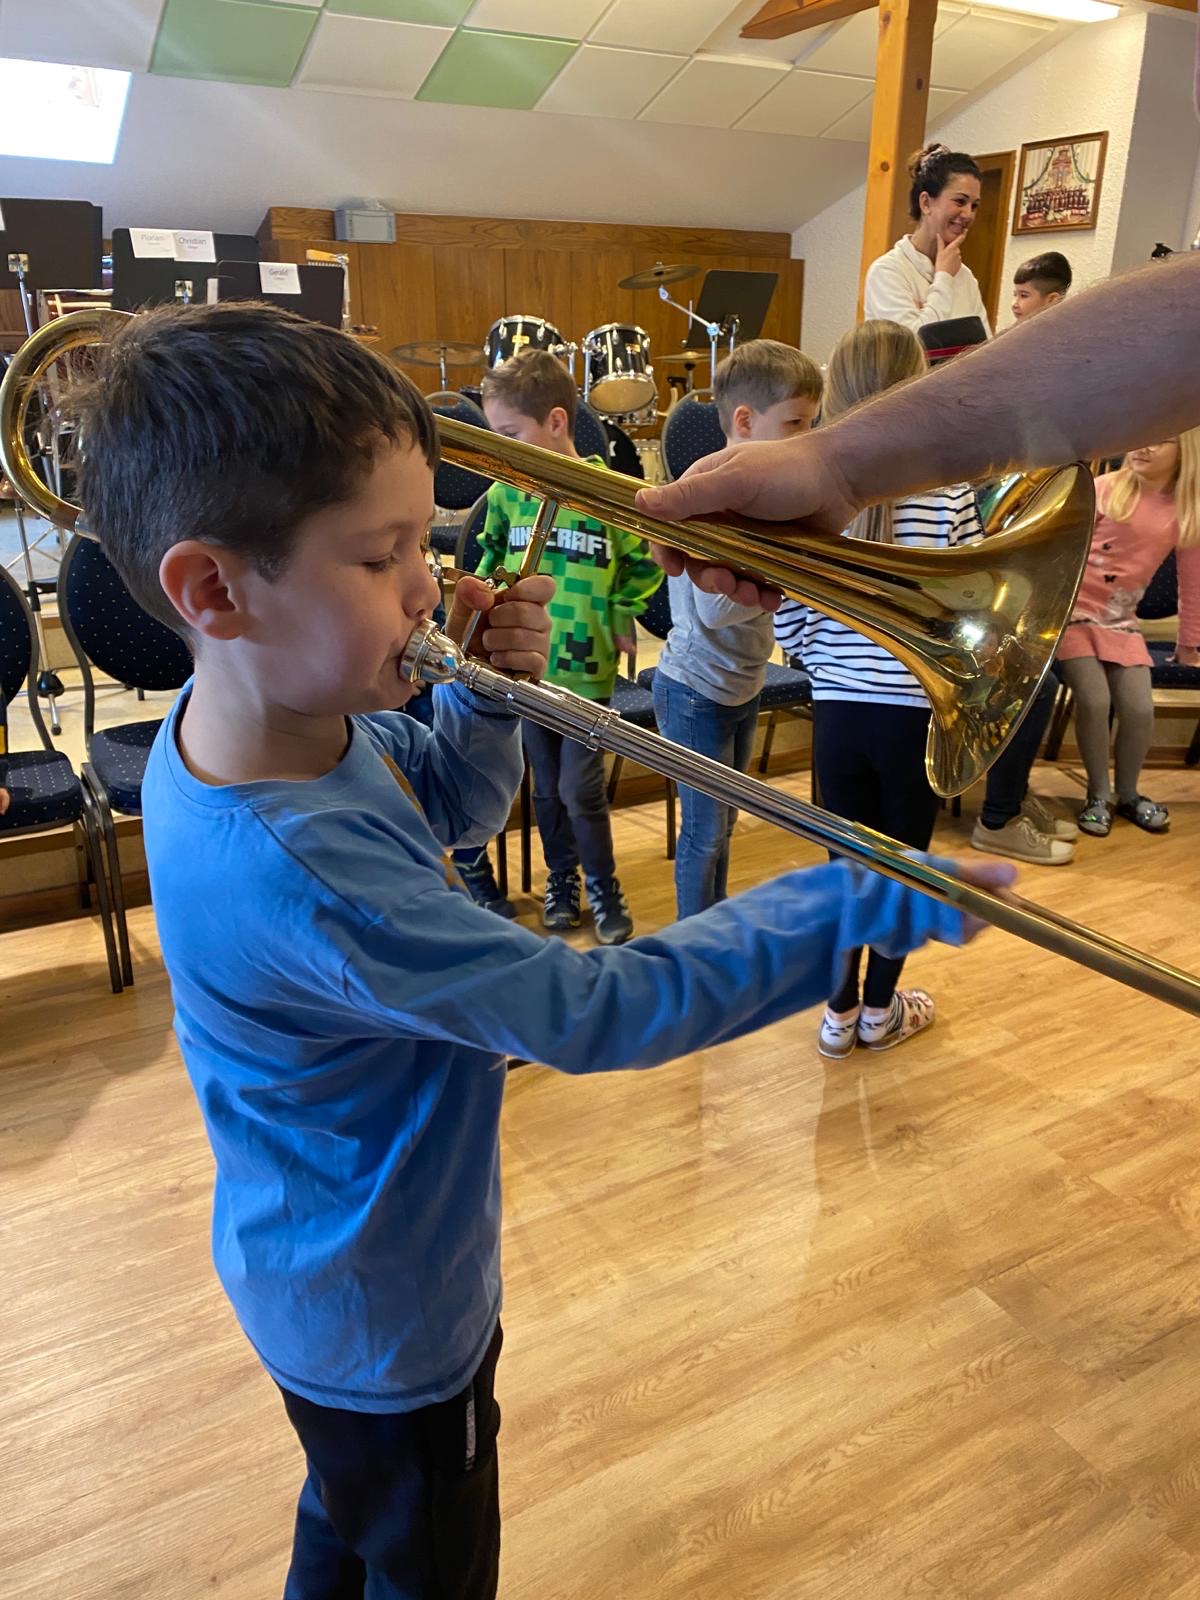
(778,18)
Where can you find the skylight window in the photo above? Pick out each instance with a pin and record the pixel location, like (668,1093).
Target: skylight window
(61,113)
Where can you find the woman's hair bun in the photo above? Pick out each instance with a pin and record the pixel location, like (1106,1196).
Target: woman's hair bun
(925,156)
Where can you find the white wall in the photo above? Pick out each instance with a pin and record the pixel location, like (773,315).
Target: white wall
(216,155)
(1087,82)
(1161,168)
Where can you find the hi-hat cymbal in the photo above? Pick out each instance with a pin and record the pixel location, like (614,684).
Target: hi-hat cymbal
(433,352)
(684,358)
(651,277)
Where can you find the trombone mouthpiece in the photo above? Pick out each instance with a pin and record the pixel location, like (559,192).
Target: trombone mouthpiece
(430,656)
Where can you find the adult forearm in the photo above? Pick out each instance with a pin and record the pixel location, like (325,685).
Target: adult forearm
(1115,367)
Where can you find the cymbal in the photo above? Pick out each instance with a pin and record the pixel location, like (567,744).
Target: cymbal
(432,352)
(684,358)
(651,277)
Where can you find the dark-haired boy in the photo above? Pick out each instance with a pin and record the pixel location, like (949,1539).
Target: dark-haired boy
(342,1005)
(603,578)
(1039,283)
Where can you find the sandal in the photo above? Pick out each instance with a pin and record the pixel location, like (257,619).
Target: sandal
(1145,813)
(1096,818)
(837,1036)
(910,1011)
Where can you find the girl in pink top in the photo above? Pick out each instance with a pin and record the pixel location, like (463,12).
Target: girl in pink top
(1143,512)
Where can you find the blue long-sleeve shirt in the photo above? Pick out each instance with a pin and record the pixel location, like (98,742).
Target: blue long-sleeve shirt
(344,1009)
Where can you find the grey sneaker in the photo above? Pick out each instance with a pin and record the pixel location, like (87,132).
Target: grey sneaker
(1046,820)
(1020,840)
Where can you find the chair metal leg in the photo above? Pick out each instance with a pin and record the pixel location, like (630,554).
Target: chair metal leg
(527,831)
(116,888)
(502,862)
(614,777)
(768,741)
(1193,749)
(96,865)
(671,827)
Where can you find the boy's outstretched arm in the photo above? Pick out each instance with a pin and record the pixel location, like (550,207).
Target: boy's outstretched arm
(440,967)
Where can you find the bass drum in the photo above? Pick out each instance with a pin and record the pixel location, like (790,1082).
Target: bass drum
(508,336)
(619,377)
(623,454)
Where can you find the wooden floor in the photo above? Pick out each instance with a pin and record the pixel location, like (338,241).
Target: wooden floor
(921,1324)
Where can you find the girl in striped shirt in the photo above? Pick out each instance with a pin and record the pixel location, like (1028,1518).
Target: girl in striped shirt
(870,716)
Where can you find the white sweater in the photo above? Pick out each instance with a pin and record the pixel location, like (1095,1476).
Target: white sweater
(903,287)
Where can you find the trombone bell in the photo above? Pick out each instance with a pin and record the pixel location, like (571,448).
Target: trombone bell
(976,627)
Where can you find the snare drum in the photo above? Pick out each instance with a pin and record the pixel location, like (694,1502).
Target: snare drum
(619,378)
(508,336)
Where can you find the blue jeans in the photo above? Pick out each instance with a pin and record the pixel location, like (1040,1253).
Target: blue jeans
(726,733)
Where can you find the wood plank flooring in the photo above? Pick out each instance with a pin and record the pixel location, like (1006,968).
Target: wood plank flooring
(922,1324)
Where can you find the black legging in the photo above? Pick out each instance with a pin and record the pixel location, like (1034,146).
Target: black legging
(870,762)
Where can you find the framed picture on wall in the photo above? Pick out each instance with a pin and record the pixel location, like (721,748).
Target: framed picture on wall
(1058,183)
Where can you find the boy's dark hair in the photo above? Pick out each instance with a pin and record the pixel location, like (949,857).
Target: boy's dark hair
(1049,273)
(231,423)
(533,382)
(760,374)
(931,169)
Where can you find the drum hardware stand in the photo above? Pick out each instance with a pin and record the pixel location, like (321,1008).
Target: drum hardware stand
(713,330)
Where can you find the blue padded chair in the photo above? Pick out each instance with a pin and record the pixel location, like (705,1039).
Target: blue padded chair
(1176,689)
(785,690)
(692,430)
(44,791)
(107,629)
(454,488)
(591,437)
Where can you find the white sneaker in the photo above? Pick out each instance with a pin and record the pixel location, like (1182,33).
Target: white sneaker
(1019,839)
(837,1036)
(911,1010)
(1046,820)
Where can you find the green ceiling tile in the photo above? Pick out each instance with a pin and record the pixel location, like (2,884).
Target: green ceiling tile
(441,13)
(237,41)
(495,69)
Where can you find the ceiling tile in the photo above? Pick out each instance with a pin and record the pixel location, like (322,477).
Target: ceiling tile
(496,69)
(603,82)
(317,3)
(805,103)
(712,93)
(91,34)
(553,19)
(857,123)
(434,13)
(234,40)
(978,47)
(678,25)
(359,55)
(726,39)
(848,49)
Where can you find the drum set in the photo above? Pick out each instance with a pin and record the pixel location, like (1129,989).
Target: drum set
(618,379)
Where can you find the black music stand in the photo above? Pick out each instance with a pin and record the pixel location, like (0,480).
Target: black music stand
(321,294)
(49,244)
(737,302)
(158,280)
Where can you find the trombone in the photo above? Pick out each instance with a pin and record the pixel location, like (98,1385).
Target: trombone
(977,627)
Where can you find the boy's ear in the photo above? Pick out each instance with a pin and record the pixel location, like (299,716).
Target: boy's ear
(741,423)
(1055,296)
(203,583)
(557,421)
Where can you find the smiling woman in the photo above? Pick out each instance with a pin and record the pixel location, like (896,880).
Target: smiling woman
(61,113)
(922,279)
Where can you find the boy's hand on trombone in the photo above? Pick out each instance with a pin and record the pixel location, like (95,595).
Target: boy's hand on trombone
(789,480)
(514,631)
(985,873)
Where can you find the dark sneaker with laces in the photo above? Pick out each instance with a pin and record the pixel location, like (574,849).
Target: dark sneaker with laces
(485,891)
(560,909)
(609,912)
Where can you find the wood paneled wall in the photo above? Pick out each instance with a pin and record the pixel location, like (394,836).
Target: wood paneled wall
(452,277)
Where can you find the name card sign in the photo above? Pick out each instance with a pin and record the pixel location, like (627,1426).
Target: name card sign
(193,246)
(150,243)
(279,277)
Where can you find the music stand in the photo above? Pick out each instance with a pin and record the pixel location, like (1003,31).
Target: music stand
(321,288)
(737,302)
(49,244)
(159,280)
